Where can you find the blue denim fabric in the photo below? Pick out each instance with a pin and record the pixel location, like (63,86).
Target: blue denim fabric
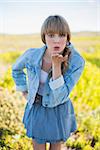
(51,125)
(56,91)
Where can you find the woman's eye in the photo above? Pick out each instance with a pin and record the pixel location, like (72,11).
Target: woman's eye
(51,35)
(62,35)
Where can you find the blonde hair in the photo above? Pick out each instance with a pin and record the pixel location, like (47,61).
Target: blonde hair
(57,24)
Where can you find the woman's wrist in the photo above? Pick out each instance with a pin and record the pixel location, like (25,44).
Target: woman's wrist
(56,71)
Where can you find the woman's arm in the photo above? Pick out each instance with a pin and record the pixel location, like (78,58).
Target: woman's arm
(56,65)
(18,74)
(62,86)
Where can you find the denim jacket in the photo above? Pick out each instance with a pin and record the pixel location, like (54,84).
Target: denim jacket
(55,91)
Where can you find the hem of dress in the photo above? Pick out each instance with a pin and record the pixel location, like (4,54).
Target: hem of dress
(44,140)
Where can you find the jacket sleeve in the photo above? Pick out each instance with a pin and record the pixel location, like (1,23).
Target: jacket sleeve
(62,86)
(18,74)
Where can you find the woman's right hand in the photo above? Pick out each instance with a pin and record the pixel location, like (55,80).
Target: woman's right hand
(24,93)
(57,59)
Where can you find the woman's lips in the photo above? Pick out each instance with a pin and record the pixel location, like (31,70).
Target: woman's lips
(56,48)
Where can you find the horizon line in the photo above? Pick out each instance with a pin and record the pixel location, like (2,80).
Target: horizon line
(83,31)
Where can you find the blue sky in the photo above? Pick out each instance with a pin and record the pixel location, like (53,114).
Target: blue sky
(27,16)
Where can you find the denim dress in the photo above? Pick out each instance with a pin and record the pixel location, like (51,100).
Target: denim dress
(49,124)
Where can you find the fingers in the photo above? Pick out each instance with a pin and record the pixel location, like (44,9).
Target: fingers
(65,58)
(60,57)
(55,55)
(57,58)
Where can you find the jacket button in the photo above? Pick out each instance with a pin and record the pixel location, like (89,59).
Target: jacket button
(46,105)
(47,94)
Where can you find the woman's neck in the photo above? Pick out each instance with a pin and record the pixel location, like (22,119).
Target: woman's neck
(47,56)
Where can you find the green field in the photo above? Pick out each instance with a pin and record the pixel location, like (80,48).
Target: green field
(85,95)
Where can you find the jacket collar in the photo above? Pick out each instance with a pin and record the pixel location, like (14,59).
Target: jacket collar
(35,58)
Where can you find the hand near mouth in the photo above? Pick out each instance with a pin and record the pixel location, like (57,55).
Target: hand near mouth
(58,59)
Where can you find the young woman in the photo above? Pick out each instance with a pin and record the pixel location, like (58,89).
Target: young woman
(53,70)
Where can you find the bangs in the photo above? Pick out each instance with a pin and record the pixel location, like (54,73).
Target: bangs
(55,27)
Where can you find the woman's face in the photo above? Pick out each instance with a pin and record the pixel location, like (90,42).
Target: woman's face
(56,42)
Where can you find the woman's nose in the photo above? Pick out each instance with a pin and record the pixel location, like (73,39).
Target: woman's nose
(56,39)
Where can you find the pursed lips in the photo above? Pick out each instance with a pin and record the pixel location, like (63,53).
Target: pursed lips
(56,47)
